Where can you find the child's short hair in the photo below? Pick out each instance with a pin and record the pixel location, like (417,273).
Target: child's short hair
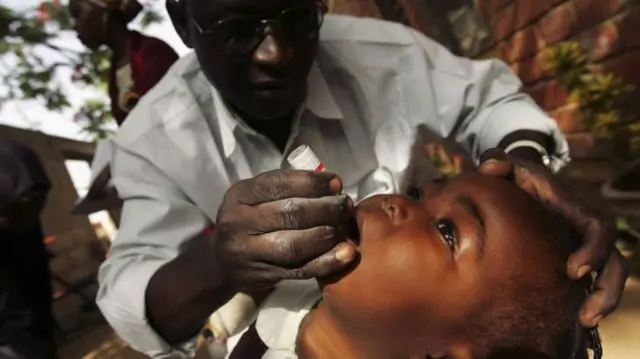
(537,316)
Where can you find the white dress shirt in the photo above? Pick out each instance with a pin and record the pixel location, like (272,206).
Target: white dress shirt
(374,82)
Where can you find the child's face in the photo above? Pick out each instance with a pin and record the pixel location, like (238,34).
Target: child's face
(429,264)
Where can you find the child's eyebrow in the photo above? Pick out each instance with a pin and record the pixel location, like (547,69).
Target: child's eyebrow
(470,207)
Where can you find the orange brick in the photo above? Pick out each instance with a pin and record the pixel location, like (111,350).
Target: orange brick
(592,12)
(503,23)
(529,10)
(549,95)
(523,44)
(568,118)
(531,70)
(601,41)
(484,6)
(501,51)
(558,24)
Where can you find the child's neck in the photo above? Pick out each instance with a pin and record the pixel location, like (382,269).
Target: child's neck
(320,337)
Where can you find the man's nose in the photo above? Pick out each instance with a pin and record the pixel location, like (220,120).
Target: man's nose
(273,51)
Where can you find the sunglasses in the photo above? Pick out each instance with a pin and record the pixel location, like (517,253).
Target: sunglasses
(243,34)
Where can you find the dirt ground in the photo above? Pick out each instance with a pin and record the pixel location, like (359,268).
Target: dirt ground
(620,335)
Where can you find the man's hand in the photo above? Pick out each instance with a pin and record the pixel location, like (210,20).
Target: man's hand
(283,225)
(275,226)
(598,252)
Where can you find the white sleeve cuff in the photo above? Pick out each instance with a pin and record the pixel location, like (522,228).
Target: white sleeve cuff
(521,113)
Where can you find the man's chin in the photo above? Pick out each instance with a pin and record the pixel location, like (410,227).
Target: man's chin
(272,110)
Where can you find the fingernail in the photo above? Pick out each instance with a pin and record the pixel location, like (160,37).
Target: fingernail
(335,185)
(349,203)
(492,154)
(582,271)
(345,253)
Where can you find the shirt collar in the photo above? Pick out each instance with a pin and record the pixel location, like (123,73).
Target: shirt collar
(319,101)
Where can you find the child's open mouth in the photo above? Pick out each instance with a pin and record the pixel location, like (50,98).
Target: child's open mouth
(353,229)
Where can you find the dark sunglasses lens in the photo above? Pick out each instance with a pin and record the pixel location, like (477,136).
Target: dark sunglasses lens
(301,21)
(239,35)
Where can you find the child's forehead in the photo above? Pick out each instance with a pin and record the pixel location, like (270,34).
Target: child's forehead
(473,185)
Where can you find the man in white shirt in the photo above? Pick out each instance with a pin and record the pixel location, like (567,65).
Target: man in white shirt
(207,145)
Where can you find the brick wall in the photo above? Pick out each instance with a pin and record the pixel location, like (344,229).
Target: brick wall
(608,29)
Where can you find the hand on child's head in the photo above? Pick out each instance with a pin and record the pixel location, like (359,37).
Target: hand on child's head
(597,230)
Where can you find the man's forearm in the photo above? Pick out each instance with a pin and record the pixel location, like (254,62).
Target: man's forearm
(526,152)
(182,294)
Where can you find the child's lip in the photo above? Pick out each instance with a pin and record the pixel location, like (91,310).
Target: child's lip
(359,223)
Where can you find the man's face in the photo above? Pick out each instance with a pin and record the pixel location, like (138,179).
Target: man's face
(89,23)
(257,53)
(434,261)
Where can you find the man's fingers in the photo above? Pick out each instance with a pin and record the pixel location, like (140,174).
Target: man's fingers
(338,258)
(301,213)
(597,243)
(294,248)
(494,162)
(495,154)
(608,290)
(281,184)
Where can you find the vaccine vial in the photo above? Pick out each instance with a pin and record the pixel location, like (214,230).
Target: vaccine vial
(303,158)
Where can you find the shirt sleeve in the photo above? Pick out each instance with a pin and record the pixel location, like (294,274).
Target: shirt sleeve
(483,103)
(158,221)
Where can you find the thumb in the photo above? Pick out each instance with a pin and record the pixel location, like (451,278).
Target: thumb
(494,162)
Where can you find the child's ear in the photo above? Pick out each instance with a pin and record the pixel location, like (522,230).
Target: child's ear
(177,10)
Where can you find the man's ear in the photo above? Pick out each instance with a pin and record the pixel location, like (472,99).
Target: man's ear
(177,10)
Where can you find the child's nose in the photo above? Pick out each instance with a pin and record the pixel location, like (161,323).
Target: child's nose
(396,207)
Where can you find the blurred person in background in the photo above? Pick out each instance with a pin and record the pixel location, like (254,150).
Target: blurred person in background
(138,62)
(26,315)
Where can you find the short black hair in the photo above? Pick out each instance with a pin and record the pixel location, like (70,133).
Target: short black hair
(537,316)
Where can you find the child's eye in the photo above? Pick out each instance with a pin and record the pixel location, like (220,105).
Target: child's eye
(415,193)
(448,232)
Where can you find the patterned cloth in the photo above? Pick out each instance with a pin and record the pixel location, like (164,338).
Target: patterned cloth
(150,59)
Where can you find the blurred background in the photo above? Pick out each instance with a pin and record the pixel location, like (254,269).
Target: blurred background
(577,58)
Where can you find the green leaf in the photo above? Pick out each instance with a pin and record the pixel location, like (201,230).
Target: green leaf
(28,71)
(150,17)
